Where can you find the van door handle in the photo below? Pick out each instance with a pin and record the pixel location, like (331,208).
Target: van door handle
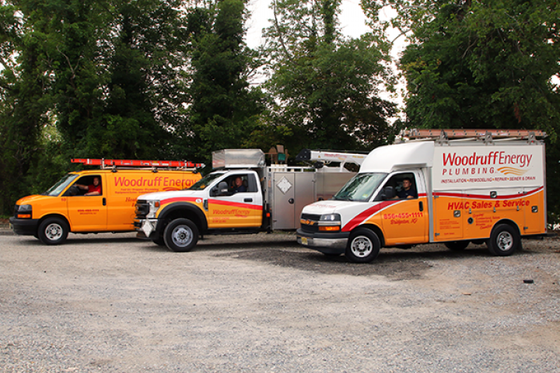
(104,201)
(421,206)
(248,200)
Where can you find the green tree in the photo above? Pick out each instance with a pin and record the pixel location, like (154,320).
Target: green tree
(224,110)
(483,64)
(22,105)
(90,79)
(326,87)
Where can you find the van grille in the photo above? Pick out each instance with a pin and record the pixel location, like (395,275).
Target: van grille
(142,209)
(309,223)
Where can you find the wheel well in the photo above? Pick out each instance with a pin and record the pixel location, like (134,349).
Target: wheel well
(62,217)
(509,222)
(183,213)
(373,228)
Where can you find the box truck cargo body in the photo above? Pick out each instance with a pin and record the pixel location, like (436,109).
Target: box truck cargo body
(470,189)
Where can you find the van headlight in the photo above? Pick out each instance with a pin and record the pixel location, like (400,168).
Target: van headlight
(24,212)
(329,223)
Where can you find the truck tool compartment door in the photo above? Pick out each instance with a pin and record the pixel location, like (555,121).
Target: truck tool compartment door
(236,206)
(87,213)
(292,191)
(406,221)
(534,211)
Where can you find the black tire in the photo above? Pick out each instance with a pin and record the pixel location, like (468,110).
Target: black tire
(181,235)
(331,255)
(504,240)
(53,231)
(457,245)
(159,241)
(363,246)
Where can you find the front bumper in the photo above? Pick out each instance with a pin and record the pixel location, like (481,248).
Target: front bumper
(146,226)
(24,227)
(328,243)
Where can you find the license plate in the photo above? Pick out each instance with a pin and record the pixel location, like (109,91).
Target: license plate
(304,241)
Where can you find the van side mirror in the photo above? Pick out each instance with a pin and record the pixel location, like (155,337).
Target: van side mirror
(220,190)
(388,193)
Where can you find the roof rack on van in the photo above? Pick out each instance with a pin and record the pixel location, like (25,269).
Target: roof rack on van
(127,163)
(484,134)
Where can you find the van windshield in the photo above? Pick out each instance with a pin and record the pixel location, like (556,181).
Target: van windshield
(57,188)
(205,181)
(360,187)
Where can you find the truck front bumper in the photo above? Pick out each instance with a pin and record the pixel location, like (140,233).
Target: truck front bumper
(327,243)
(24,227)
(145,226)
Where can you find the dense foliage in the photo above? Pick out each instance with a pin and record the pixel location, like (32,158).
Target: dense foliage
(326,86)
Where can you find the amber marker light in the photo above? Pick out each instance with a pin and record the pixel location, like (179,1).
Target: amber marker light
(329,228)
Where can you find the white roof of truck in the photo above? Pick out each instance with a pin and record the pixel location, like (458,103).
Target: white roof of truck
(390,157)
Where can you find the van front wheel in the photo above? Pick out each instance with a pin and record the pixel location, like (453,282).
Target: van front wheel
(53,231)
(363,246)
(504,240)
(180,235)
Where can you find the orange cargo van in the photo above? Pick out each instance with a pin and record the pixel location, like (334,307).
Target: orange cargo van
(96,200)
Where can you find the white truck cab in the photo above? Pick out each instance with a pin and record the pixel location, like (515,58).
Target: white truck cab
(481,186)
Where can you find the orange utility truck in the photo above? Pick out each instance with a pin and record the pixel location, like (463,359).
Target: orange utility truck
(438,186)
(101,200)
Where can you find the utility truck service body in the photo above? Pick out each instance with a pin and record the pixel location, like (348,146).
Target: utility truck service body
(480,186)
(243,195)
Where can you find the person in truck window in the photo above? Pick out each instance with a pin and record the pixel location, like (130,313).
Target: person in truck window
(407,191)
(92,190)
(239,187)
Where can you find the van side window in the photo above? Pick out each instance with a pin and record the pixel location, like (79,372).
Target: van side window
(238,184)
(403,186)
(86,186)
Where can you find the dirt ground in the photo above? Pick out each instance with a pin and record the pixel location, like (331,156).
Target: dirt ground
(262,303)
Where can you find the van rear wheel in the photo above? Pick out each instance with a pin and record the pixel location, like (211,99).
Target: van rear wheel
(53,231)
(504,240)
(180,235)
(363,246)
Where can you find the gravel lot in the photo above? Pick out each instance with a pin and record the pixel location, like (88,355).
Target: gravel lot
(262,303)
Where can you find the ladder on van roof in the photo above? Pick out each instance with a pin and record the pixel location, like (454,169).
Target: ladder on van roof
(110,163)
(485,134)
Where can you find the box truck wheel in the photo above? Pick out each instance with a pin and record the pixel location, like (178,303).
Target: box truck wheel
(180,235)
(53,231)
(504,240)
(363,246)
(457,245)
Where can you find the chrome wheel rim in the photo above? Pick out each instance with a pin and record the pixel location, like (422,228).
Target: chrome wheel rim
(182,236)
(361,246)
(53,231)
(504,241)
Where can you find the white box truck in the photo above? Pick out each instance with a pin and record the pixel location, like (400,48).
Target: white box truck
(445,186)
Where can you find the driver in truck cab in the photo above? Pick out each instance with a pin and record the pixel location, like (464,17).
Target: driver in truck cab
(407,191)
(92,190)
